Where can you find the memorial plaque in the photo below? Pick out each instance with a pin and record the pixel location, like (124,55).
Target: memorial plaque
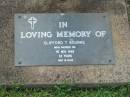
(63,39)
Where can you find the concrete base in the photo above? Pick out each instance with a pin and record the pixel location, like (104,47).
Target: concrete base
(47,75)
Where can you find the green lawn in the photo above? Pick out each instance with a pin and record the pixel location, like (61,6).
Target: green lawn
(65,91)
(128,2)
(128,11)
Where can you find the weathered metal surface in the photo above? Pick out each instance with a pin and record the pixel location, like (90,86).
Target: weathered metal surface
(63,39)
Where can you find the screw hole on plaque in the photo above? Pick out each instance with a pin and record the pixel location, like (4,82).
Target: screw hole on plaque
(110,61)
(19,17)
(19,62)
(104,16)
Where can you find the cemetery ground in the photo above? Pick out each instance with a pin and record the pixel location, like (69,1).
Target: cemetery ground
(66,90)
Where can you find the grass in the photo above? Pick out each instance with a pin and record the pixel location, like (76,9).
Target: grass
(65,91)
(129,16)
(128,10)
(128,2)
